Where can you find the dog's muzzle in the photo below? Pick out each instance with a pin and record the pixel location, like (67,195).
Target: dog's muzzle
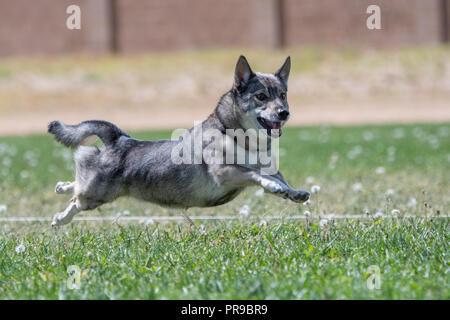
(270,125)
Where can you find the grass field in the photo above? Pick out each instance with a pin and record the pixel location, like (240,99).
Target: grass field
(383,172)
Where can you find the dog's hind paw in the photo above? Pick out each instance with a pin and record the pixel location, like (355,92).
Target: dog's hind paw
(61,218)
(63,187)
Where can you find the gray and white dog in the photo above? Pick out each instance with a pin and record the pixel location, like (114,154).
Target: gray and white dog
(124,166)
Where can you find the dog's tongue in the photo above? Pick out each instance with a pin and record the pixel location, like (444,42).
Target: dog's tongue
(274,125)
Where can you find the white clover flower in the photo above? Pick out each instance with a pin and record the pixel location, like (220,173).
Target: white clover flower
(5,171)
(391,154)
(434,141)
(352,154)
(390,192)
(24,174)
(263,223)
(418,132)
(368,135)
(147,221)
(323,222)
(20,248)
(259,193)
(89,255)
(395,212)
(244,211)
(357,186)
(31,157)
(334,158)
(398,133)
(309,180)
(380,170)
(29,154)
(443,131)
(315,189)
(7,162)
(6,149)
(3,208)
(307,214)
(305,136)
(33,162)
(378,214)
(412,202)
(391,150)
(323,137)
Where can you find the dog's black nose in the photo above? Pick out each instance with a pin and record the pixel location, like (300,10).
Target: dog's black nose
(283,114)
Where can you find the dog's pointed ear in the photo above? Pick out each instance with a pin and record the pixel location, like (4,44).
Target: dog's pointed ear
(283,73)
(243,72)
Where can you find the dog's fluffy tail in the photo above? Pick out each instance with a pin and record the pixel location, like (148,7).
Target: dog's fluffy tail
(73,136)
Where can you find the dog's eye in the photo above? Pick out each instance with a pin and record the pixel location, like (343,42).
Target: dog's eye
(282,96)
(261,96)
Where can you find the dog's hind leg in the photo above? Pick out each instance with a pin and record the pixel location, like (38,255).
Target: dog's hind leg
(77,203)
(67,215)
(64,187)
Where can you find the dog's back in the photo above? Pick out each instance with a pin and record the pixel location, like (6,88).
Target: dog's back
(142,169)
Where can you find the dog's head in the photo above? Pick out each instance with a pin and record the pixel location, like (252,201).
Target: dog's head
(261,99)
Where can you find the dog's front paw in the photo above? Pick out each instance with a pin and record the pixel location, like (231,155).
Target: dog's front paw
(61,218)
(299,195)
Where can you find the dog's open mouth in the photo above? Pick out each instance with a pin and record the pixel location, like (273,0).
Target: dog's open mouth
(269,125)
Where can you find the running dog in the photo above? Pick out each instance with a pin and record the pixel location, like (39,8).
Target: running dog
(146,170)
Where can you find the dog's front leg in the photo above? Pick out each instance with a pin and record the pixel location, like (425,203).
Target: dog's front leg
(293,194)
(243,176)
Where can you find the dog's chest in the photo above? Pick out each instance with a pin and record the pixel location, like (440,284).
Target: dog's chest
(210,193)
(221,195)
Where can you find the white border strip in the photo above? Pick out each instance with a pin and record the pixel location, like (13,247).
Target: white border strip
(180,218)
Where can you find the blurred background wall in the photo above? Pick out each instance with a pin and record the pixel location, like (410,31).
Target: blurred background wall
(133,60)
(132,26)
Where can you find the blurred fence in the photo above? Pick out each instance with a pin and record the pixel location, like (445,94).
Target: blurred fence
(129,26)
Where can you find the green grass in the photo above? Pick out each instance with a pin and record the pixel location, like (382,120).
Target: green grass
(250,257)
